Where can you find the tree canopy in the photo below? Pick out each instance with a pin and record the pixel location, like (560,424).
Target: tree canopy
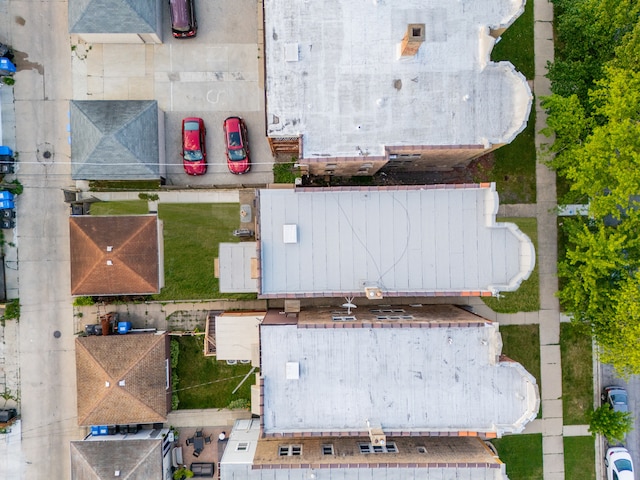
(594,113)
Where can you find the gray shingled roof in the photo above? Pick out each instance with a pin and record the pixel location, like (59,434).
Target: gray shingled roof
(99,460)
(407,240)
(114,140)
(114,16)
(413,379)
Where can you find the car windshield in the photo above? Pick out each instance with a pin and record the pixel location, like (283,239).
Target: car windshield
(191,126)
(619,398)
(623,464)
(237,155)
(193,155)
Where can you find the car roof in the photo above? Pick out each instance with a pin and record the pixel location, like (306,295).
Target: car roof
(179,13)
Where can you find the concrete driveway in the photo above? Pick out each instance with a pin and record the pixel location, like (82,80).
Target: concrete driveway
(217,74)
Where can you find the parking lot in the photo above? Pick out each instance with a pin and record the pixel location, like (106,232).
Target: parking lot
(215,75)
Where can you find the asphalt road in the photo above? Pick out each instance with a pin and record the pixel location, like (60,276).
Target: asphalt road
(37,31)
(632,442)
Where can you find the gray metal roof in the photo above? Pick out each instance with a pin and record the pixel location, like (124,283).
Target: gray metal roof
(419,379)
(472,472)
(114,16)
(114,140)
(235,267)
(334,75)
(408,241)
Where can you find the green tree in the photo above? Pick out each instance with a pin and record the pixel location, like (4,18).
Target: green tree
(613,425)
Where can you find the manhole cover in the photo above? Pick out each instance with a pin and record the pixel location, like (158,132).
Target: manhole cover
(57,334)
(45,153)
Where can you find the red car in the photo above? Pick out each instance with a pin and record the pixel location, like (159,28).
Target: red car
(194,151)
(237,144)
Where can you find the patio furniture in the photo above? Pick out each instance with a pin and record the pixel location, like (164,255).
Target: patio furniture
(196,453)
(199,433)
(176,457)
(189,441)
(207,440)
(198,444)
(202,469)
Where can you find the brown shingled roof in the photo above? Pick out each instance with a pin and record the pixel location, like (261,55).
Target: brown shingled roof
(137,359)
(128,243)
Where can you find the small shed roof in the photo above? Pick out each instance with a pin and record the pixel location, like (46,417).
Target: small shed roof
(115,140)
(114,16)
(237,335)
(236,262)
(405,240)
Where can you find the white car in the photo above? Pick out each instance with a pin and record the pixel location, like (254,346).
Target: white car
(619,464)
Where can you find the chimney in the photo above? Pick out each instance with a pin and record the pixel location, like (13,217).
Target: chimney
(412,39)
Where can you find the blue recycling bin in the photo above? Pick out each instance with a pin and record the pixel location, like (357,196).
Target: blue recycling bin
(5,195)
(124,327)
(6,151)
(7,204)
(6,67)
(95,430)
(104,430)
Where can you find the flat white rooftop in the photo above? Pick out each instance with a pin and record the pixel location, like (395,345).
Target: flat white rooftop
(335,75)
(405,240)
(405,379)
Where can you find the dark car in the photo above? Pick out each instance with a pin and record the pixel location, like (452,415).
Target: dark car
(616,397)
(183,18)
(237,145)
(194,150)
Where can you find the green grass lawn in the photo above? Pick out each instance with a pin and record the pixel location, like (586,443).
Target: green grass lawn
(514,168)
(522,344)
(192,232)
(522,455)
(579,458)
(204,382)
(527,297)
(577,374)
(516,44)
(132,207)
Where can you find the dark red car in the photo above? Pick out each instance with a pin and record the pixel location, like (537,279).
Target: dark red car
(237,145)
(194,150)
(183,18)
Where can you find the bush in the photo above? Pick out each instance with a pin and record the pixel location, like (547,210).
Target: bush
(284,172)
(240,403)
(8,80)
(12,310)
(175,352)
(83,301)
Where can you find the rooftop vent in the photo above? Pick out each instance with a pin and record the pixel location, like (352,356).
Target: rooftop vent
(292,370)
(109,263)
(121,383)
(291,52)
(290,233)
(373,293)
(107,384)
(109,248)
